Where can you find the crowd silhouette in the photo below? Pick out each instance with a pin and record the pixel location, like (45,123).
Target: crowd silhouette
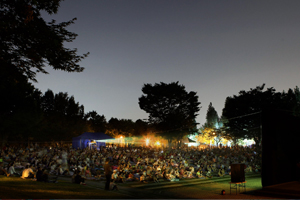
(132,163)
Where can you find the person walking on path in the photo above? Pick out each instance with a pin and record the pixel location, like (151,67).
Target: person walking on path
(107,172)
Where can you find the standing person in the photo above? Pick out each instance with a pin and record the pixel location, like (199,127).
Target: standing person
(107,172)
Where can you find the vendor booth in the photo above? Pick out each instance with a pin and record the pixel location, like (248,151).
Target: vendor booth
(91,140)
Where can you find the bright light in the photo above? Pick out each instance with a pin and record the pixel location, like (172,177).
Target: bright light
(121,137)
(157,143)
(147,141)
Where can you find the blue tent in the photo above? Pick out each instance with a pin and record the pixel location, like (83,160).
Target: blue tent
(82,141)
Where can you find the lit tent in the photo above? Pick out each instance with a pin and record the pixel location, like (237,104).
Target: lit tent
(84,140)
(189,142)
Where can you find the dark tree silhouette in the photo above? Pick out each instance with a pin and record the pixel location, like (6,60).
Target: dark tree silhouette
(20,112)
(63,117)
(242,113)
(171,109)
(212,118)
(96,122)
(124,127)
(28,43)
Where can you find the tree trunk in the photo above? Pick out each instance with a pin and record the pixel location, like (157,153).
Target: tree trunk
(170,143)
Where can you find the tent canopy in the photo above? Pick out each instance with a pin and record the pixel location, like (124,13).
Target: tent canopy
(82,141)
(188,140)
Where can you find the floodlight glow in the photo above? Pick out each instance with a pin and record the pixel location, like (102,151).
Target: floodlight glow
(121,137)
(147,141)
(157,143)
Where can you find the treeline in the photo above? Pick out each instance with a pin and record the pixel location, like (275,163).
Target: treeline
(28,114)
(241,116)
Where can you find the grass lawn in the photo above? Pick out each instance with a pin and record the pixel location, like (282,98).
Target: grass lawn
(17,188)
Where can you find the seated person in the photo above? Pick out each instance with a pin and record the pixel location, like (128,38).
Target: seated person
(190,174)
(59,170)
(121,177)
(149,173)
(248,169)
(221,172)
(113,186)
(27,172)
(2,170)
(94,170)
(130,177)
(185,174)
(11,170)
(208,168)
(39,174)
(114,176)
(18,164)
(191,169)
(209,174)
(88,173)
(156,178)
(214,168)
(176,173)
(79,179)
(137,175)
(172,177)
(257,168)
(199,174)
(97,175)
(143,179)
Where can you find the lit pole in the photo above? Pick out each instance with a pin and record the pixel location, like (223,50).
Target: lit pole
(210,139)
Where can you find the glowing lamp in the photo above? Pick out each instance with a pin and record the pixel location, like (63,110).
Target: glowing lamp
(147,142)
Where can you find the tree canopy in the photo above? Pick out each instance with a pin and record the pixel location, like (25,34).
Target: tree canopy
(242,118)
(28,43)
(96,122)
(171,109)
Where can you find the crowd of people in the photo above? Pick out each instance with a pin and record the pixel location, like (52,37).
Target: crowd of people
(142,164)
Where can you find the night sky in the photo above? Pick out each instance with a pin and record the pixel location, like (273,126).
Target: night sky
(215,48)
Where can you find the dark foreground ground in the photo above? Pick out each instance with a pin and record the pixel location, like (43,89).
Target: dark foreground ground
(17,188)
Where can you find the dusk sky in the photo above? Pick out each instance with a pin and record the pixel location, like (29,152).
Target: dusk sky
(214,47)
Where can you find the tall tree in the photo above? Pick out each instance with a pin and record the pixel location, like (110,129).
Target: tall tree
(212,118)
(212,129)
(140,128)
(20,113)
(120,127)
(64,118)
(291,100)
(171,109)
(242,112)
(28,43)
(96,122)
